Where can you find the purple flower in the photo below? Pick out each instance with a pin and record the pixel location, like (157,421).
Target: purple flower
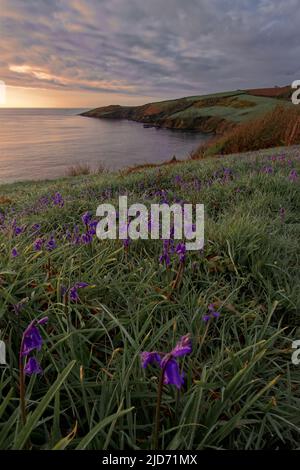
(168,364)
(181,251)
(68,235)
(206,318)
(81,285)
(16,229)
(172,374)
(183,347)
(63,290)
(162,193)
(178,179)
(36,227)
(126,242)
(150,358)
(86,218)
(74,294)
(92,227)
(32,339)
(293,176)
(165,258)
(86,238)
(51,244)
(167,248)
(268,170)
(14,252)
(212,313)
(58,200)
(32,366)
(38,244)
(227,172)
(73,291)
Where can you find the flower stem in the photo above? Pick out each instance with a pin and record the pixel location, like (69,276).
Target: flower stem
(204,335)
(22,389)
(157,412)
(180,274)
(158,408)
(176,282)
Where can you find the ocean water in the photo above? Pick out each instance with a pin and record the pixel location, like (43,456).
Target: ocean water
(45,143)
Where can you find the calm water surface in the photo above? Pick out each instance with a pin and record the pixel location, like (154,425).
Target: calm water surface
(41,144)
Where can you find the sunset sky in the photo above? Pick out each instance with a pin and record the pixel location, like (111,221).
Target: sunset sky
(87,53)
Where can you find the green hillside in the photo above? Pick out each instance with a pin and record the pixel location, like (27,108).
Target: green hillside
(210,113)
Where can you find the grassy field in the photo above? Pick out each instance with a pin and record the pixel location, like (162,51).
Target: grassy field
(213,113)
(241,389)
(234,108)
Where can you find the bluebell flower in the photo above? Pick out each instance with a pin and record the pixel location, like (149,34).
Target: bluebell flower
(73,291)
(212,313)
(51,244)
(268,170)
(168,361)
(32,339)
(293,176)
(18,230)
(32,366)
(14,253)
(38,244)
(86,218)
(58,200)
(150,358)
(181,251)
(86,238)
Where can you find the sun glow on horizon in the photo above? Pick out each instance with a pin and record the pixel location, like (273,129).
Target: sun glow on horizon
(27,97)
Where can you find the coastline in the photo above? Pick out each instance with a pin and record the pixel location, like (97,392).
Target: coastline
(169,164)
(209,114)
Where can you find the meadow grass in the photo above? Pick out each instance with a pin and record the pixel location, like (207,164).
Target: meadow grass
(235,108)
(241,389)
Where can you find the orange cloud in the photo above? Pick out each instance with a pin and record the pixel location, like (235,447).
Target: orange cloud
(44,75)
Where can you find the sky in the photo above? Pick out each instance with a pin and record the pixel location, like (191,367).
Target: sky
(88,53)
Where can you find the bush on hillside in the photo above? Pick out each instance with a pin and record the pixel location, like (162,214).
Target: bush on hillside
(279,127)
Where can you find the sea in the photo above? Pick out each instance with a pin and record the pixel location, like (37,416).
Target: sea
(38,144)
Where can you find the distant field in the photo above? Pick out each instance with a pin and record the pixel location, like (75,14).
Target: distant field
(216,112)
(236,107)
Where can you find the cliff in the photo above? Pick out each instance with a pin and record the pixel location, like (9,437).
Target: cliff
(214,113)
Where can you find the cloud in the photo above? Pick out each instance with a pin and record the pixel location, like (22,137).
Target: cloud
(163,48)
(43,76)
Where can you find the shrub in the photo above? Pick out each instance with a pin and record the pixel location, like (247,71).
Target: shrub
(79,169)
(278,127)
